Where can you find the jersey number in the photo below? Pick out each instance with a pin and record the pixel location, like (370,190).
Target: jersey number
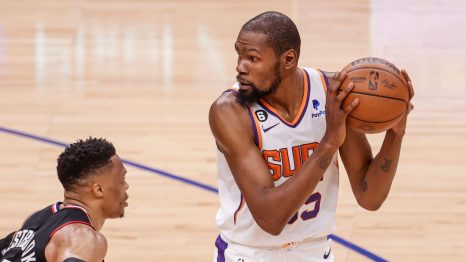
(309,214)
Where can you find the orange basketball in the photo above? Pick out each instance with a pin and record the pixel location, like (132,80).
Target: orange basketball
(382,91)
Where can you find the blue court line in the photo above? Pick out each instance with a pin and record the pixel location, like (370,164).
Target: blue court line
(337,239)
(172,176)
(357,249)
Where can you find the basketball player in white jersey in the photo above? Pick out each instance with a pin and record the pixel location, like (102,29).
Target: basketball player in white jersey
(278,132)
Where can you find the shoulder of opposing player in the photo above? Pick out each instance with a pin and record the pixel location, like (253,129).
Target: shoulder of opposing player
(80,238)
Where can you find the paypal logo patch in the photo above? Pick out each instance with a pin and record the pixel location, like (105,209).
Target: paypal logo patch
(315,105)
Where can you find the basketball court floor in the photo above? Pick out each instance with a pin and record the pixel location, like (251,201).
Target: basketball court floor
(143,74)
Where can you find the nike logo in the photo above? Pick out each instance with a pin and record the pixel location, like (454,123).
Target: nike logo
(326,255)
(268,128)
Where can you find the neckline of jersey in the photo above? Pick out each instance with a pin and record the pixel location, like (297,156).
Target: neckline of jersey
(302,109)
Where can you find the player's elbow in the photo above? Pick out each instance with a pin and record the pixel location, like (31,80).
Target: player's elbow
(371,199)
(372,204)
(272,225)
(371,207)
(274,230)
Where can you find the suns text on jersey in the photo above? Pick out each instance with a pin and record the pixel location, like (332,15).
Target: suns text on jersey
(278,160)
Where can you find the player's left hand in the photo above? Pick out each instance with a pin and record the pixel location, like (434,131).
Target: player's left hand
(400,127)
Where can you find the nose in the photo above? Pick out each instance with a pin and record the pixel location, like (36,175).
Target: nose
(126,186)
(240,67)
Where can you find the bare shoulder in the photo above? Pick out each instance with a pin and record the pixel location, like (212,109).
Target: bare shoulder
(226,109)
(226,102)
(76,240)
(229,121)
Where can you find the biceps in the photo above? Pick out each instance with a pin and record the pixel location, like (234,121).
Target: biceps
(250,170)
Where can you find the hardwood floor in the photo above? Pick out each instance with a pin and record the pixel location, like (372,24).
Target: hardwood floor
(144,73)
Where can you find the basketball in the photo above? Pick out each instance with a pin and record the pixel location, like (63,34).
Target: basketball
(382,91)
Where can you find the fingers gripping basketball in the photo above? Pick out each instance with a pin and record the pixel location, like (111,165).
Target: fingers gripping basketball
(383,93)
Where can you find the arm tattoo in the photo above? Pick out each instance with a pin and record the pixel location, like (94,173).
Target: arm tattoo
(364,185)
(73,259)
(386,166)
(324,162)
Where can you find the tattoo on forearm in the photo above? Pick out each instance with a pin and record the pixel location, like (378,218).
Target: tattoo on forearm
(324,162)
(364,185)
(386,166)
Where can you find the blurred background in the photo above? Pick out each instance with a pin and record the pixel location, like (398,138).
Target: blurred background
(144,73)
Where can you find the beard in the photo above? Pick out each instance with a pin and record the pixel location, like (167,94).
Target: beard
(254,94)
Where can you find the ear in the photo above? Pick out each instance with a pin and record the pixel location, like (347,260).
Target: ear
(290,59)
(97,190)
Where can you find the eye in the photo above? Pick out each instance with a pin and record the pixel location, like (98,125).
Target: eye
(253,58)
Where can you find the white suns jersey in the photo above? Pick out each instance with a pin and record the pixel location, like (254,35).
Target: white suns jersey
(284,146)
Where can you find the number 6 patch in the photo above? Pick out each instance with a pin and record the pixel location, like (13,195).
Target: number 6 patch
(261,115)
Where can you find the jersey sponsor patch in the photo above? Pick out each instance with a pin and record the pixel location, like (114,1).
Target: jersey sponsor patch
(316,105)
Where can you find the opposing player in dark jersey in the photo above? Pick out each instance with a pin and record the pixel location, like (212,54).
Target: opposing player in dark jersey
(93,177)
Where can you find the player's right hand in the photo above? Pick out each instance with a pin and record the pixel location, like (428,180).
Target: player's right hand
(336,115)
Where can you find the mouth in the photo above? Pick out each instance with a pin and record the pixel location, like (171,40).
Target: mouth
(243,84)
(244,87)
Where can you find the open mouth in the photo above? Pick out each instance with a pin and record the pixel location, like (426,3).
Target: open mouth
(244,86)
(243,82)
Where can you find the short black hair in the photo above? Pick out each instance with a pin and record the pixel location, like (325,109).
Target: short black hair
(81,158)
(282,33)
